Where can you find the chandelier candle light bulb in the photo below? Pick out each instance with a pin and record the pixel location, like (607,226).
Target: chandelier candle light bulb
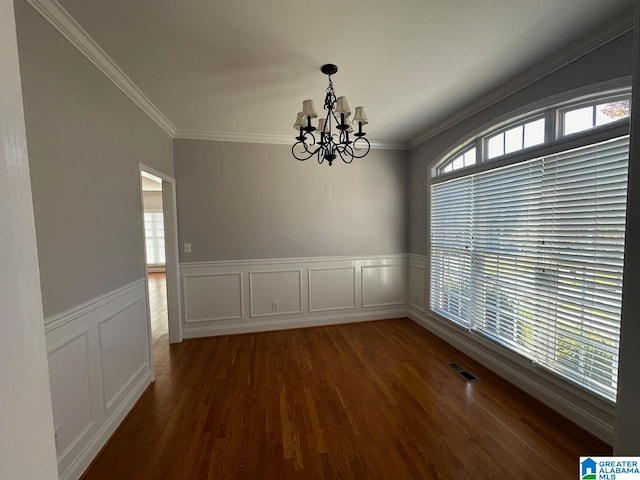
(330,145)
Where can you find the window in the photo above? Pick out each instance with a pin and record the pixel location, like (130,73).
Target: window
(154,237)
(531,255)
(516,138)
(541,128)
(583,118)
(529,251)
(461,160)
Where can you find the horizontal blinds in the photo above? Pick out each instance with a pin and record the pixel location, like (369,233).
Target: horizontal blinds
(531,255)
(452,228)
(506,243)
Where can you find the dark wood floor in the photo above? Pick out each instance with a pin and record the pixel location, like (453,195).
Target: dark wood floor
(362,401)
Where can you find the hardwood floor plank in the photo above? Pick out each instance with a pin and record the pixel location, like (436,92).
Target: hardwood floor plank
(362,401)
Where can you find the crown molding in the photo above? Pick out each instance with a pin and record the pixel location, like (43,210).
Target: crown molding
(263,138)
(232,137)
(566,56)
(60,19)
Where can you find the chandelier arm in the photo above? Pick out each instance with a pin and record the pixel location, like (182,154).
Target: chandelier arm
(365,148)
(302,157)
(344,138)
(346,153)
(310,144)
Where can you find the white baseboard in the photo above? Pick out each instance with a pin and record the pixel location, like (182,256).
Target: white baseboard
(290,323)
(590,413)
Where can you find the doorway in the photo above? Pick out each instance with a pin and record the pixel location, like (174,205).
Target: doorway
(158,203)
(154,242)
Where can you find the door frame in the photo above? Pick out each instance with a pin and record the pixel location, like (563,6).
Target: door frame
(172,268)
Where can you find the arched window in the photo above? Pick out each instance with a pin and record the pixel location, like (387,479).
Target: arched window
(527,236)
(529,133)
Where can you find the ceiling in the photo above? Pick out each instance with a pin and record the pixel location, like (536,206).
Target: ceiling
(241,68)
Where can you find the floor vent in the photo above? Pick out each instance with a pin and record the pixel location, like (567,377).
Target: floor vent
(462,372)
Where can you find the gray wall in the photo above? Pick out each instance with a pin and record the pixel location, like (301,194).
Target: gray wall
(250,201)
(85,139)
(613,60)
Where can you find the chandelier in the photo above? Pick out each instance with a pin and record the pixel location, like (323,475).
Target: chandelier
(326,144)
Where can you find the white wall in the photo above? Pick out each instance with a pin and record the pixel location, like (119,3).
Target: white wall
(26,425)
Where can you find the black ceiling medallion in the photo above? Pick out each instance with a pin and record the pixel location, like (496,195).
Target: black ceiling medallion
(330,145)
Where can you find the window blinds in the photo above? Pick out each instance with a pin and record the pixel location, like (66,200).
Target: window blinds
(531,256)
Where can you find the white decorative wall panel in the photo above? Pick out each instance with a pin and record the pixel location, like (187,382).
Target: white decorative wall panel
(71,392)
(215,296)
(99,365)
(418,287)
(383,285)
(123,349)
(284,287)
(307,292)
(332,289)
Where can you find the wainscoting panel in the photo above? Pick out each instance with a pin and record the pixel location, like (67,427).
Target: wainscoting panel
(384,285)
(277,292)
(295,292)
(123,350)
(71,392)
(212,297)
(99,365)
(417,287)
(332,289)
(418,282)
